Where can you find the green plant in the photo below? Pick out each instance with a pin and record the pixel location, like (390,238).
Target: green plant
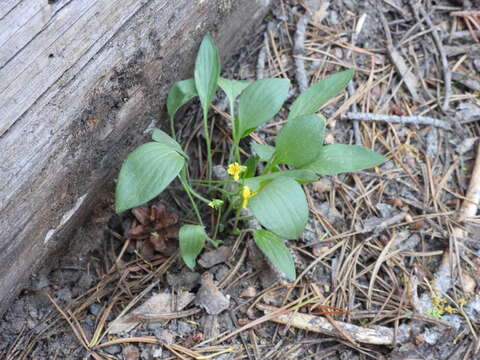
(274,195)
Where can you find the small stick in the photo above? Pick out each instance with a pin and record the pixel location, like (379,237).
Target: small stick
(163,316)
(418,120)
(398,61)
(299,53)
(351,86)
(447,74)
(471,203)
(465,13)
(380,335)
(468,209)
(463,34)
(261,59)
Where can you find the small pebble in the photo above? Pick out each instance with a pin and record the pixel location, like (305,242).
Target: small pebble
(476,64)
(249,292)
(113,349)
(94,309)
(157,352)
(131,352)
(184,328)
(468,282)
(166,336)
(154,326)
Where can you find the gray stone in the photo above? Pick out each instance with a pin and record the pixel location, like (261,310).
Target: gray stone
(113,349)
(94,309)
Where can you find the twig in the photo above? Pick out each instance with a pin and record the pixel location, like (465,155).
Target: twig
(351,86)
(261,58)
(470,205)
(418,120)
(163,316)
(380,335)
(462,34)
(447,74)
(397,59)
(330,319)
(469,209)
(299,53)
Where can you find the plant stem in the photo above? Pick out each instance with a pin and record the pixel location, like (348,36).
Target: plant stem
(172,128)
(195,208)
(198,196)
(209,145)
(183,176)
(215,233)
(237,218)
(235,150)
(270,165)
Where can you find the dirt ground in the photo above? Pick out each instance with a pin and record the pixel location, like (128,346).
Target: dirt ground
(389,265)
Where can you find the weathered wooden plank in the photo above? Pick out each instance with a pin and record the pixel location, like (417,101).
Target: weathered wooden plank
(79,82)
(76,28)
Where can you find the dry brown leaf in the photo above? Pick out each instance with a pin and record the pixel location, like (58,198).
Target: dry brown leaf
(210,298)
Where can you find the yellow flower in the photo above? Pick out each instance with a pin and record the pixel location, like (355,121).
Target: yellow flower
(450,310)
(234,169)
(246,194)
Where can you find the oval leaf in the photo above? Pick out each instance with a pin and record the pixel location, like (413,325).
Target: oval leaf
(232,88)
(146,172)
(340,158)
(192,240)
(276,251)
(281,207)
(300,140)
(264,152)
(163,138)
(207,71)
(179,94)
(260,102)
(318,94)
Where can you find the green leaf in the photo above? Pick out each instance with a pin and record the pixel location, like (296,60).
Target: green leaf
(264,152)
(281,207)
(192,240)
(232,88)
(146,172)
(207,71)
(340,158)
(179,94)
(318,94)
(300,140)
(259,102)
(302,176)
(165,139)
(276,251)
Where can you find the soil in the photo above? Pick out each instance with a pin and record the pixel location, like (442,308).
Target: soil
(380,253)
